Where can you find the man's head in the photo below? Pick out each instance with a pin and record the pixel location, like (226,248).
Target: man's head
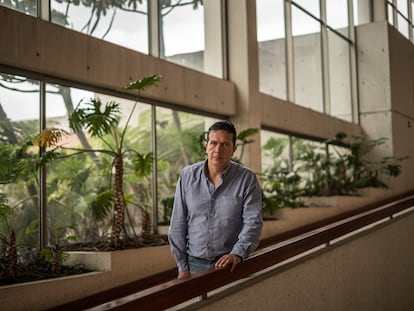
(221,144)
(225,126)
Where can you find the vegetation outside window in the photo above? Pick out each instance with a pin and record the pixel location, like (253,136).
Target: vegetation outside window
(180,141)
(190,34)
(79,187)
(121,22)
(24,6)
(19,187)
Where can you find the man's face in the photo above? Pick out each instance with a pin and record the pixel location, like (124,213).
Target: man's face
(220,148)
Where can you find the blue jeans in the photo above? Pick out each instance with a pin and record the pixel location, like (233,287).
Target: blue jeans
(200,264)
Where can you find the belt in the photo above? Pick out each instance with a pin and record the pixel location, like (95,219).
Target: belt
(206,259)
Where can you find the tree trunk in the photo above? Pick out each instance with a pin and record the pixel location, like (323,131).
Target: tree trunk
(146,226)
(119,205)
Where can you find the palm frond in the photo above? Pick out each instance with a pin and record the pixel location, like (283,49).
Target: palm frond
(102,204)
(49,137)
(96,118)
(245,134)
(143,164)
(143,83)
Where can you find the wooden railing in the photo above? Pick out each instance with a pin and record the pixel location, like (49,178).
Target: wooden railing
(163,291)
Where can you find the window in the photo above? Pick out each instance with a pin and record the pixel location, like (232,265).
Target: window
(271,41)
(180,142)
(307,60)
(191,34)
(400,15)
(339,77)
(19,188)
(337,15)
(124,23)
(315,80)
(80,182)
(25,6)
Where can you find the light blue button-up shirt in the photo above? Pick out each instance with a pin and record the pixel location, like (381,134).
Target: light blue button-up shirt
(208,222)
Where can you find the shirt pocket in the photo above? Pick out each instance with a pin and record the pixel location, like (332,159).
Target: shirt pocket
(230,208)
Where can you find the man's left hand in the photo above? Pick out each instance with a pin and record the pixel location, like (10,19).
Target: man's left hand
(228,260)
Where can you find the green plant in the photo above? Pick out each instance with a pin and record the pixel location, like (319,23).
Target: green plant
(102,122)
(167,204)
(331,168)
(55,255)
(346,171)
(281,188)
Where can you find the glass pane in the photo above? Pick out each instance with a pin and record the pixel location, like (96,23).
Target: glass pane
(307,61)
(309,162)
(280,184)
(80,182)
(402,7)
(339,77)
(271,43)
(19,189)
(358,17)
(182,33)
(275,151)
(337,15)
(124,23)
(25,6)
(179,143)
(390,14)
(402,16)
(403,26)
(312,6)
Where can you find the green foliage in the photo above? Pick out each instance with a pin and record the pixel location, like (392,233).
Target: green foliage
(102,203)
(167,204)
(281,188)
(143,164)
(101,121)
(344,173)
(16,161)
(5,209)
(55,254)
(323,170)
(96,118)
(144,83)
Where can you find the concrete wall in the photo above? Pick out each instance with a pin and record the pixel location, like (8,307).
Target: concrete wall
(373,271)
(386,93)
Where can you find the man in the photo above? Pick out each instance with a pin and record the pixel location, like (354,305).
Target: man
(216,219)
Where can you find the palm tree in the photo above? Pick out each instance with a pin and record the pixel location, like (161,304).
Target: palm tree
(101,122)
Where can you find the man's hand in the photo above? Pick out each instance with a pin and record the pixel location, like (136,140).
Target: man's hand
(183,275)
(228,260)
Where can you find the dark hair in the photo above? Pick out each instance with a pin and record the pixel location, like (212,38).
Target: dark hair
(225,126)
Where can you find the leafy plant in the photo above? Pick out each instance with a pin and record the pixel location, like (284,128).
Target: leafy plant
(281,188)
(55,255)
(331,168)
(101,121)
(344,172)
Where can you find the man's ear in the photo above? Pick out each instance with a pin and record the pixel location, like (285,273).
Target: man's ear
(234,149)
